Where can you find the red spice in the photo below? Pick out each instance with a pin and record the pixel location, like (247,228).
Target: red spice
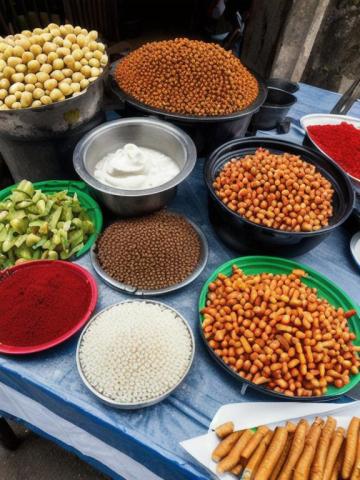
(37,309)
(341,142)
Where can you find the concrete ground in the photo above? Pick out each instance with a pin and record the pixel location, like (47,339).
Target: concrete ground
(40,459)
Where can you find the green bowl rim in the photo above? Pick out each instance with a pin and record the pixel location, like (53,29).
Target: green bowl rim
(320,281)
(83,192)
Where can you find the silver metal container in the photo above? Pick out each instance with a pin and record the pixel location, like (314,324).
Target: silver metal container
(144,132)
(122,287)
(37,143)
(56,119)
(153,401)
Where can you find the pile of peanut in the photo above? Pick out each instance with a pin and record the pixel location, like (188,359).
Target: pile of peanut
(279,191)
(47,65)
(187,77)
(274,330)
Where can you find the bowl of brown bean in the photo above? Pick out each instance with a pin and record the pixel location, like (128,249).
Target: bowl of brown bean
(196,85)
(150,255)
(281,328)
(275,197)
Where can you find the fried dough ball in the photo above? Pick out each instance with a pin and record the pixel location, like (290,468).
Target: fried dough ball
(188,77)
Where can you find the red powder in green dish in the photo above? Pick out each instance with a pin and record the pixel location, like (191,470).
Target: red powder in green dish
(341,142)
(38,305)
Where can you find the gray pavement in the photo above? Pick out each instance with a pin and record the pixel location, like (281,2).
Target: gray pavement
(40,459)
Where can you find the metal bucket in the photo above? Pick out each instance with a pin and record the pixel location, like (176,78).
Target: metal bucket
(37,143)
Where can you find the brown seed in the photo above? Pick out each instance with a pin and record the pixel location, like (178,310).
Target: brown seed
(149,252)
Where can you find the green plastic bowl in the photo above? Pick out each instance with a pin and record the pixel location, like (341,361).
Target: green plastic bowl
(253,265)
(80,188)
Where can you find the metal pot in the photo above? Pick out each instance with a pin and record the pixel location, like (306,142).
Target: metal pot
(37,143)
(144,132)
(207,132)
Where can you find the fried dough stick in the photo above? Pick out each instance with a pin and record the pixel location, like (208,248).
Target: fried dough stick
(333,453)
(356,470)
(295,451)
(224,430)
(256,458)
(233,457)
(303,465)
(336,473)
(225,446)
(272,454)
(350,447)
(318,465)
(283,457)
(254,442)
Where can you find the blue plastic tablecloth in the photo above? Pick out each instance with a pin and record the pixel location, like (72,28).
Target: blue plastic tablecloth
(152,435)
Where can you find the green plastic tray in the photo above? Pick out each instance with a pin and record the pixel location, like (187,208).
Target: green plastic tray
(86,201)
(326,289)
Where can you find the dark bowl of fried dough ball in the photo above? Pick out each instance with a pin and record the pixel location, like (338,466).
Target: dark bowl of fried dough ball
(199,86)
(275,197)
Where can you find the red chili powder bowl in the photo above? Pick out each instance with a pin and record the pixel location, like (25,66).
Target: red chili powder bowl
(341,143)
(43,303)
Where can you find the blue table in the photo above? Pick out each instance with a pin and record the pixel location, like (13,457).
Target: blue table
(45,391)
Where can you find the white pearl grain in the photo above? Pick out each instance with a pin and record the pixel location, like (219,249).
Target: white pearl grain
(135,351)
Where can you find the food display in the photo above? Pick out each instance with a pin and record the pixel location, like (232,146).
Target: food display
(280,191)
(135,168)
(149,253)
(35,225)
(277,328)
(341,142)
(135,352)
(48,65)
(187,77)
(40,302)
(318,451)
(274,330)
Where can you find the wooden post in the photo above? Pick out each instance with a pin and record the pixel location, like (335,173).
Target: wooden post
(302,26)
(262,34)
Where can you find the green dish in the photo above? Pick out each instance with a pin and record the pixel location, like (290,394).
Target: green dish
(253,265)
(86,201)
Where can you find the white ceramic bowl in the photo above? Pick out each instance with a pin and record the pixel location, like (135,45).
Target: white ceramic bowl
(329,119)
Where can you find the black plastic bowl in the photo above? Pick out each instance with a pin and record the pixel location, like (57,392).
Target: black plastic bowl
(274,110)
(248,237)
(283,84)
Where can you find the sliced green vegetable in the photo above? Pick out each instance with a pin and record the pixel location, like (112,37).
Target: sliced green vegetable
(32,239)
(54,218)
(19,225)
(26,187)
(24,252)
(36,225)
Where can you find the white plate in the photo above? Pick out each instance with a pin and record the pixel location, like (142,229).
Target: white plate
(329,119)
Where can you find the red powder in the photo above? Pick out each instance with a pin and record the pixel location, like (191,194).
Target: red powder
(40,304)
(341,142)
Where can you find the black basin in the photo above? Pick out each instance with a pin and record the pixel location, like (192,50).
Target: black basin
(274,110)
(250,238)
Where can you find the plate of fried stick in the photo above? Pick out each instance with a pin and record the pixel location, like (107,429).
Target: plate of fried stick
(317,447)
